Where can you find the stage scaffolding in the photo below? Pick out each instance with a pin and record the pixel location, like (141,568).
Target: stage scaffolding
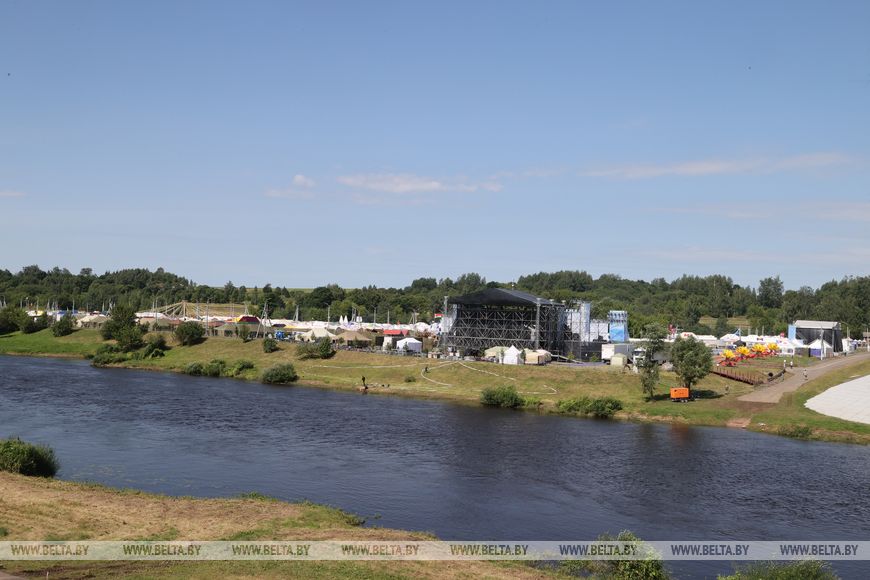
(501,317)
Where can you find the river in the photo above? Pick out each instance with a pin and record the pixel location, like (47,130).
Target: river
(460,472)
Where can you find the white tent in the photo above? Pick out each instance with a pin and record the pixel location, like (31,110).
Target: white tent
(409,344)
(316,334)
(513,356)
(536,357)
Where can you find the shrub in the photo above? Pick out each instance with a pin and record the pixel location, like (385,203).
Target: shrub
(506,397)
(651,568)
(11,319)
(214,368)
(410,379)
(129,337)
(795,431)
(109,356)
(532,402)
(603,407)
(269,345)
(17,456)
(155,346)
(280,374)
(806,570)
(64,326)
(195,369)
(32,325)
(239,368)
(189,333)
(321,349)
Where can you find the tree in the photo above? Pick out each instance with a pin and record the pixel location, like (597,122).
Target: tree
(691,359)
(770,292)
(269,345)
(122,316)
(189,333)
(649,367)
(12,318)
(64,326)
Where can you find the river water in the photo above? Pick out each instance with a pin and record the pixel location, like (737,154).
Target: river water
(460,472)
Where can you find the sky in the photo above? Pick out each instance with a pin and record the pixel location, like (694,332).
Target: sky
(306,143)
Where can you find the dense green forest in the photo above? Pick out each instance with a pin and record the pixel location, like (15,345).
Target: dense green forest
(681,302)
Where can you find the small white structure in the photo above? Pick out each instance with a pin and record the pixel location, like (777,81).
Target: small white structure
(513,356)
(409,345)
(619,360)
(536,357)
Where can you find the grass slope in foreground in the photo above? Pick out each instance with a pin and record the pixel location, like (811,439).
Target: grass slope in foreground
(47,509)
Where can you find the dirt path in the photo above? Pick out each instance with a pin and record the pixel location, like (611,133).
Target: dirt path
(774,393)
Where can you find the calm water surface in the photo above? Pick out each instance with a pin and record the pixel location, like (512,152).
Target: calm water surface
(460,472)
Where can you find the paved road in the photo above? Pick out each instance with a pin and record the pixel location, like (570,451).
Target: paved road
(773,393)
(850,401)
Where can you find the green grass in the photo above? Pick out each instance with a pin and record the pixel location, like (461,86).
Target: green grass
(79,343)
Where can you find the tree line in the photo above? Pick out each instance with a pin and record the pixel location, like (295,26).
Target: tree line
(681,302)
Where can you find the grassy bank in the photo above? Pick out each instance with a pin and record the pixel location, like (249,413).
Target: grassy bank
(463,382)
(47,509)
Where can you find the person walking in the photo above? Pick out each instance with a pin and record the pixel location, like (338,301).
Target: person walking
(805,374)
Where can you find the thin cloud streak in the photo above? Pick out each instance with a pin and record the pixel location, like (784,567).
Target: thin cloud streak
(833,211)
(722,166)
(399,183)
(8,193)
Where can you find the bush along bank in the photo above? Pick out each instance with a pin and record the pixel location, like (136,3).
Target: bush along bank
(18,456)
(601,407)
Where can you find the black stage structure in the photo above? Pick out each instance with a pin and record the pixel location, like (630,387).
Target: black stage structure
(502,317)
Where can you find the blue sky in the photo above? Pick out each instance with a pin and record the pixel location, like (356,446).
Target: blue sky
(303,143)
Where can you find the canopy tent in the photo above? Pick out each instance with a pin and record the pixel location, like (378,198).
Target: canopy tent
(316,334)
(512,356)
(354,336)
(495,352)
(410,344)
(537,357)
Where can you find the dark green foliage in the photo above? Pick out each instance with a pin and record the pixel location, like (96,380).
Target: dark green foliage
(214,368)
(410,379)
(651,568)
(12,318)
(122,316)
(805,570)
(324,346)
(109,354)
(270,345)
(691,359)
(655,335)
(506,397)
(18,456)
(32,325)
(795,431)
(601,407)
(155,346)
(189,333)
(280,374)
(320,349)
(129,337)
(196,369)
(122,327)
(64,326)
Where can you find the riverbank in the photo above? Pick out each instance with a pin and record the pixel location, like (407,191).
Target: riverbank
(719,404)
(47,509)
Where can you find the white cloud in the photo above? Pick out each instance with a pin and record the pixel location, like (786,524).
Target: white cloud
(409,183)
(300,180)
(8,193)
(722,166)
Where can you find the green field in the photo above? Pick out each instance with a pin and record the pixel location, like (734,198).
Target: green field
(462,381)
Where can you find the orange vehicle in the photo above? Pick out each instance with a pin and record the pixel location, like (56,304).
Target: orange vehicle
(680,394)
